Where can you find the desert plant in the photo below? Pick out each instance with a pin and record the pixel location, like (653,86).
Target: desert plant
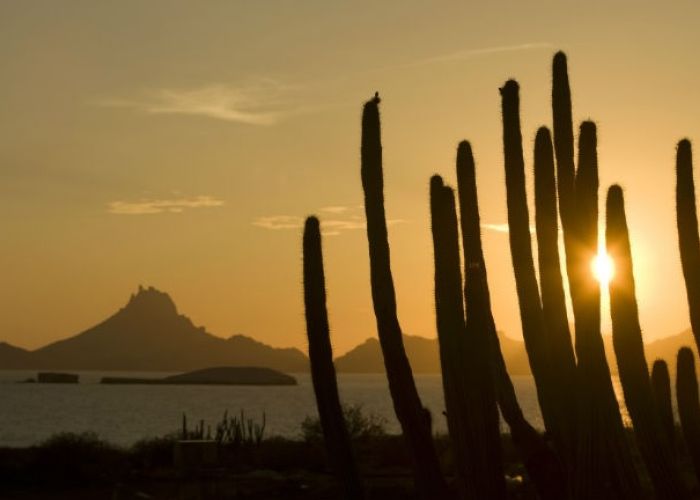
(542,464)
(661,387)
(688,238)
(239,430)
(361,425)
(521,254)
(631,362)
(564,147)
(602,448)
(413,417)
(557,335)
(472,415)
(323,376)
(232,430)
(689,404)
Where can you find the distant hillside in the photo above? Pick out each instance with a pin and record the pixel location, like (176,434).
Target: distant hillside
(423,354)
(148,334)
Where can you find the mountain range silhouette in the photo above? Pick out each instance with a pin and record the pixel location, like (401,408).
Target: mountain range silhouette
(149,334)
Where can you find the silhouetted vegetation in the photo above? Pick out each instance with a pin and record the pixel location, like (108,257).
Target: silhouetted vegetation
(688,237)
(472,415)
(360,426)
(413,417)
(587,453)
(322,370)
(661,387)
(634,372)
(689,404)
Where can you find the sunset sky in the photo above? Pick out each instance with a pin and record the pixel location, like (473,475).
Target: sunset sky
(180,144)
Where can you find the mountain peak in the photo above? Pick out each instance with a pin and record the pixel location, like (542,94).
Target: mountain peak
(152,301)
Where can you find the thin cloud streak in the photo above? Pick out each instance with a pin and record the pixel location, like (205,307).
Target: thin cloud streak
(461,55)
(155,206)
(470,53)
(500,228)
(258,104)
(329,227)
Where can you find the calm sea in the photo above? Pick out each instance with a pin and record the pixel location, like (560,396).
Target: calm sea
(30,413)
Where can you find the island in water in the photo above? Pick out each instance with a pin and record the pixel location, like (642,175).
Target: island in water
(226,375)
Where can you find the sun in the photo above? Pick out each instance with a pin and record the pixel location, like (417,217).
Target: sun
(603,268)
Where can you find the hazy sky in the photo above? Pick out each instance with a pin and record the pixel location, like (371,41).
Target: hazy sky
(179,145)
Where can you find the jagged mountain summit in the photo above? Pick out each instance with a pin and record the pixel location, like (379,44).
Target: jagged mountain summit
(148,334)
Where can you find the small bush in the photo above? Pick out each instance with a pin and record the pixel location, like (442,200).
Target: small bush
(361,426)
(153,452)
(79,458)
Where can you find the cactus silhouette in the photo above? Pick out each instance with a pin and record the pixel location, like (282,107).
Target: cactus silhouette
(472,415)
(689,404)
(558,336)
(603,451)
(414,419)
(688,239)
(661,387)
(542,464)
(521,254)
(631,362)
(563,132)
(323,376)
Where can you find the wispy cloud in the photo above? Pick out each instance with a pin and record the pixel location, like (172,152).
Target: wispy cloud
(464,54)
(500,228)
(344,218)
(276,222)
(158,206)
(259,103)
(460,55)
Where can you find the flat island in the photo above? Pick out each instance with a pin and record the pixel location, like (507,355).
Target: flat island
(227,375)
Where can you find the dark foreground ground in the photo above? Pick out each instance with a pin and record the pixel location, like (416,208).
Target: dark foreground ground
(80,467)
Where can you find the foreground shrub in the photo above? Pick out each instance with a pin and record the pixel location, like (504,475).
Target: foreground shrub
(361,426)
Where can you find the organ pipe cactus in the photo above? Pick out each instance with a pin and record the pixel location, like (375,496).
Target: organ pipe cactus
(335,432)
(521,254)
(564,145)
(661,387)
(558,337)
(472,415)
(689,404)
(688,238)
(414,419)
(631,362)
(542,464)
(602,448)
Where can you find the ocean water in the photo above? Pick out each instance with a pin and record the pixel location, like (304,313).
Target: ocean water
(123,414)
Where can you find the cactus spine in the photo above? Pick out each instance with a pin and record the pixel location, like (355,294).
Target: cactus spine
(472,415)
(542,464)
(631,362)
(661,387)
(414,419)
(689,404)
(323,376)
(688,238)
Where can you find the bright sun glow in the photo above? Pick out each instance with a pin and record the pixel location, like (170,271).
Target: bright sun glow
(603,268)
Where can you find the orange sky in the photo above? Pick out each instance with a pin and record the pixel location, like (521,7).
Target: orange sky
(179,145)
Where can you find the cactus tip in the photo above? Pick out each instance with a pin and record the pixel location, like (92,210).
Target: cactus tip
(511,86)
